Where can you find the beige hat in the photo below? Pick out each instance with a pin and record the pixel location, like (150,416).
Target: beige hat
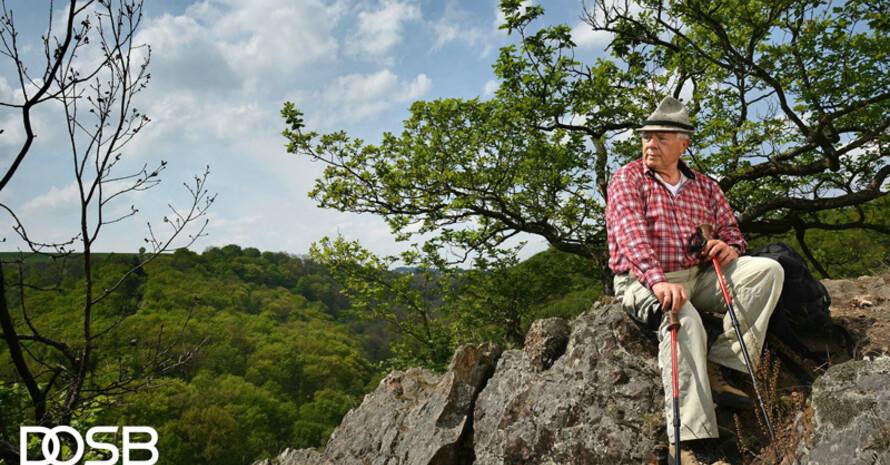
(670,116)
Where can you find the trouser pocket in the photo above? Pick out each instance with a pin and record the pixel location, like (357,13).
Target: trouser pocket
(638,301)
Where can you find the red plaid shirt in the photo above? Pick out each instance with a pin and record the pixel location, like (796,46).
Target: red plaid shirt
(648,227)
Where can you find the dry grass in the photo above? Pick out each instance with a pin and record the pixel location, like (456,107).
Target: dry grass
(785,402)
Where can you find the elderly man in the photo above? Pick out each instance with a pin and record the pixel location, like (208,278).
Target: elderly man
(655,204)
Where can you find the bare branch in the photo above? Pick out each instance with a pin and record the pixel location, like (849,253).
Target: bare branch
(52,70)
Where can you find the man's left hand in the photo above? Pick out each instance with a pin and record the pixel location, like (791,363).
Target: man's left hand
(721,250)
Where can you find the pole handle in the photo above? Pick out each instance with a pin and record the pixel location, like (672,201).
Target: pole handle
(706,230)
(673,321)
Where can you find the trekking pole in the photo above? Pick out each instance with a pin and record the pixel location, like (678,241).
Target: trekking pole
(704,232)
(673,325)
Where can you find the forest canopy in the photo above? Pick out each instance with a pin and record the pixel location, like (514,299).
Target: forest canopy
(275,363)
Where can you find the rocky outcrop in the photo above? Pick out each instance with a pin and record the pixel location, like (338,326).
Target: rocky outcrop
(589,392)
(414,417)
(863,306)
(850,418)
(294,457)
(600,402)
(546,341)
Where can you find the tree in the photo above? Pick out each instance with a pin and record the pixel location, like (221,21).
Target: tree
(410,303)
(790,100)
(433,307)
(92,72)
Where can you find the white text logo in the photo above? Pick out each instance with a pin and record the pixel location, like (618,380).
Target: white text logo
(52,445)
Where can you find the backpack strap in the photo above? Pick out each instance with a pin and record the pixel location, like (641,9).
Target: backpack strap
(795,368)
(781,328)
(849,341)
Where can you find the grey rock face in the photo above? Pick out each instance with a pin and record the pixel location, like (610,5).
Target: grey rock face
(584,393)
(851,415)
(412,418)
(600,402)
(294,457)
(546,341)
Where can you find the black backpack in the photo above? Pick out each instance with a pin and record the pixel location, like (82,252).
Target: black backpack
(803,308)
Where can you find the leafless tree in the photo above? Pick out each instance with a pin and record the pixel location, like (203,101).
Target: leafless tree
(93,72)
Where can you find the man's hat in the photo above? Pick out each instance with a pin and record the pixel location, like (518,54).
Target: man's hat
(670,116)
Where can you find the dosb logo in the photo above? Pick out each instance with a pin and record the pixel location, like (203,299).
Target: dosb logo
(52,445)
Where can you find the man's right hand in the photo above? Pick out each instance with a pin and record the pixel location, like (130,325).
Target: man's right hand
(671,296)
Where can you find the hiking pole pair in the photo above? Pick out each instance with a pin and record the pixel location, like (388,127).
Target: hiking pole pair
(696,243)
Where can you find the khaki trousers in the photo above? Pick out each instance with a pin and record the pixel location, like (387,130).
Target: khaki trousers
(754,285)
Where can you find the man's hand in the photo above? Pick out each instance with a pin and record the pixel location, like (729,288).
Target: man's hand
(671,296)
(719,249)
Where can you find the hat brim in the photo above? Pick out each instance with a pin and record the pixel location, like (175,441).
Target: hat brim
(659,128)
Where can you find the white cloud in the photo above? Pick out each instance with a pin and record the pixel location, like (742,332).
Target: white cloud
(500,19)
(185,55)
(491,87)
(421,85)
(584,36)
(42,124)
(7,93)
(226,43)
(220,72)
(217,68)
(446,32)
(454,26)
(189,120)
(381,30)
(240,230)
(56,197)
(220,69)
(10,118)
(360,96)
(275,35)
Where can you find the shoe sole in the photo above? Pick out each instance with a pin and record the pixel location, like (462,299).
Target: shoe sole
(731,401)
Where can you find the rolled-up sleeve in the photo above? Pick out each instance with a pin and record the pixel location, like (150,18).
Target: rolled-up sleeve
(726,227)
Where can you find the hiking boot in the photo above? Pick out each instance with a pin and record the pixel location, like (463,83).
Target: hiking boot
(725,394)
(694,453)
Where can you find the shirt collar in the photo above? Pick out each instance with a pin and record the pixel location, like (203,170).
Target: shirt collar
(681,165)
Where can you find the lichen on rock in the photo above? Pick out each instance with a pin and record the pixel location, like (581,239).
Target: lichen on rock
(851,411)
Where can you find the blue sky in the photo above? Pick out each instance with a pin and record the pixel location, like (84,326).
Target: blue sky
(221,70)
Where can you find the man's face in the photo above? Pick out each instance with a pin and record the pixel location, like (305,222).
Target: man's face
(662,150)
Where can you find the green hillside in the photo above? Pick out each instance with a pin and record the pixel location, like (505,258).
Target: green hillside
(274,365)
